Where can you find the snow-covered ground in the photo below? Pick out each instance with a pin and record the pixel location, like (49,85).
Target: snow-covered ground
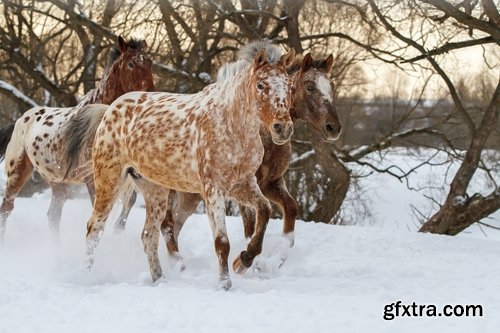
(336,278)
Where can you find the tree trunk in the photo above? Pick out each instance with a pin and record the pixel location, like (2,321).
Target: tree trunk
(459,212)
(340,178)
(292,24)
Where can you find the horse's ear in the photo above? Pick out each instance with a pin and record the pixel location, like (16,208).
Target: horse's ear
(260,58)
(329,63)
(122,44)
(288,58)
(144,45)
(306,63)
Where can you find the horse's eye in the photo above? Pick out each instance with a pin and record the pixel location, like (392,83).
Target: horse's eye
(260,86)
(310,88)
(130,64)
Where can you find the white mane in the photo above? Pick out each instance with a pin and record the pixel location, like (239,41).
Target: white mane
(248,51)
(246,55)
(230,70)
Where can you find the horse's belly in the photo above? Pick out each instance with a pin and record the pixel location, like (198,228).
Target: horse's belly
(44,151)
(175,177)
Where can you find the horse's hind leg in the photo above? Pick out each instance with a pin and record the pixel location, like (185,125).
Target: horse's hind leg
(129,196)
(249,194)
(108,177)
(156,198)
(89,183)
(59,197)
(180,206)
(248,217)
(278,193)
(19,170)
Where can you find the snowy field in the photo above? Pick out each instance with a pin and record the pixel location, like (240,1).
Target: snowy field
(336,278)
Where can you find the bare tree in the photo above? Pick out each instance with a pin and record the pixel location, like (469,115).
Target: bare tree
(54,51)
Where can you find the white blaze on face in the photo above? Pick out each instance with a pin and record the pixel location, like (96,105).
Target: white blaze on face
(278,89)
(324,86)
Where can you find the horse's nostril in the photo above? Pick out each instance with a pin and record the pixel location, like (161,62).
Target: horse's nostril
(278,128)
(329,128)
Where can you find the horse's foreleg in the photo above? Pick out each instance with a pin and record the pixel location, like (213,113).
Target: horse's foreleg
(180,206)
(249,194)
(107,179)
(216,215)
(277,192)
(59,197)
(156,198)
(129,197)
(19,170)
(248,217)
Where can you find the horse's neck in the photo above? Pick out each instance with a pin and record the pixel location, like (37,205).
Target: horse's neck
(107,91)
(109,88)
(242,115)
(297,100)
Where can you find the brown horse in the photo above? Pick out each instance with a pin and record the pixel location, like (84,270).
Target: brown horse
(39,137)
(312,103)
(201,143)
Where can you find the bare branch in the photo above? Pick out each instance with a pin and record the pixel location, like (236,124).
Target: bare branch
(488,27)
(451,46)
(453,92)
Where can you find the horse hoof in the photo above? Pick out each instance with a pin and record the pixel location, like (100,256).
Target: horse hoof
(119,229)
(238,266)
(225,284)
(282,261)
(90,262)
(156,275)
(177,262)
(290,237)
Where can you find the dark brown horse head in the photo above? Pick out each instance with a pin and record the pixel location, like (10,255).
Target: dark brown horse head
(271,87)
(133,65)
(313,100)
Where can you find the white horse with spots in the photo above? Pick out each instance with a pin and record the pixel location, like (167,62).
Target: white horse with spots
(39,137)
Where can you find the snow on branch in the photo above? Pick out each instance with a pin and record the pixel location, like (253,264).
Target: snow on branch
(15,93)
(301,158)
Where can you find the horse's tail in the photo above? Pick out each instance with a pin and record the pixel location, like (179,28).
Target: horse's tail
(79,132)
(5,135)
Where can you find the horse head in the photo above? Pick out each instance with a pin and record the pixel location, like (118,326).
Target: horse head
(134,66)
(314,99)
(271,89)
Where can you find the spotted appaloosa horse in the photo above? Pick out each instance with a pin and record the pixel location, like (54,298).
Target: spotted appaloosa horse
(203,143)
(312,103)
(38,138)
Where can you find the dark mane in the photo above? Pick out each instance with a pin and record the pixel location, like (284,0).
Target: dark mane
(133,43)
(295,67)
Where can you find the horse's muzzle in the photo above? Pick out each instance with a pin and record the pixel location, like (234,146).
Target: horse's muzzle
(331,131)
(281,132)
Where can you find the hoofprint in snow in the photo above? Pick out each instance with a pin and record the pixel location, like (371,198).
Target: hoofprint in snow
(336,279)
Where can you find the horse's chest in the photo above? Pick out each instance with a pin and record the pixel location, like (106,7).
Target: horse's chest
(231,161)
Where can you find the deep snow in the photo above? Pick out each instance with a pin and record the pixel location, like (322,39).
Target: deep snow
(336,279)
